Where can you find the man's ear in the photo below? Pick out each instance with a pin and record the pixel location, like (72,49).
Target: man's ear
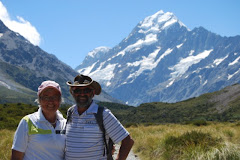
(70,90)
(93,93)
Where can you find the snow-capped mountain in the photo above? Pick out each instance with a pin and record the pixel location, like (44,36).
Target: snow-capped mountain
(162,60)
(95,55)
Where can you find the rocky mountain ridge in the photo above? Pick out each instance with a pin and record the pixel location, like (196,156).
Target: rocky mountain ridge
(162,60)
(24,66)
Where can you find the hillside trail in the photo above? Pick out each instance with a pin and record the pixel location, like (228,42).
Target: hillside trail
(131,155)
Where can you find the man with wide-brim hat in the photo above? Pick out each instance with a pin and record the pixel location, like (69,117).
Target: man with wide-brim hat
(84,138)
(83,81)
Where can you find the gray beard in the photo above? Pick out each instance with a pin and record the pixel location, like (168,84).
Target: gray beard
(85,104)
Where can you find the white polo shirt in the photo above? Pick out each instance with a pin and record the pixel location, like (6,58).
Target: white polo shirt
(84,137)
(37,138)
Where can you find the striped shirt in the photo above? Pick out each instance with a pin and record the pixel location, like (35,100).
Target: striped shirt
(84,137)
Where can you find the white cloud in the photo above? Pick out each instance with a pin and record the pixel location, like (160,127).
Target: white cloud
(21,26)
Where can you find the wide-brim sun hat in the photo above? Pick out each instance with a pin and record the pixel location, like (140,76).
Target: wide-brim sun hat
(84,81)
(49,84)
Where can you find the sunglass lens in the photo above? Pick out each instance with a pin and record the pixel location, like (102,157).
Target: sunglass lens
(84,91)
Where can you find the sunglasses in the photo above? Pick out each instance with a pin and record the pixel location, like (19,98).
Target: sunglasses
(82,91)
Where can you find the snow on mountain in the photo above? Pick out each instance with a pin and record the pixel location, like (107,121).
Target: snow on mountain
(97,50)
(158,22)
(93,56)
(162,60)
(5,85)
(182,66)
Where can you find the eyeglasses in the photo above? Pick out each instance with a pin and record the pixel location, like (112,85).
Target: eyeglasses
(47,98)
(82,91)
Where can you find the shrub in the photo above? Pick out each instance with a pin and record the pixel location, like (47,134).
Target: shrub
(177,147)
(198,122)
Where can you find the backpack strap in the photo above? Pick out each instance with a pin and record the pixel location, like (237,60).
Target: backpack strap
(69,114)
(99,118)
(69,119)
(109,145)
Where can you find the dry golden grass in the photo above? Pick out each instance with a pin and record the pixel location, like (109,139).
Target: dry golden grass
(150,141)
(6,138)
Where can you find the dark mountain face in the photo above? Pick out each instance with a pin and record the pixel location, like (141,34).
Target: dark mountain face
(24,66)
(29,64)
(162,60)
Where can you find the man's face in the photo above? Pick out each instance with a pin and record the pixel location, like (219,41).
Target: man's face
(82,95)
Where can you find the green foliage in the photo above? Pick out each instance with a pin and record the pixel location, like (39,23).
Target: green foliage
(198,122)
(63,109)
(197,111)
(120,111)
(11,114)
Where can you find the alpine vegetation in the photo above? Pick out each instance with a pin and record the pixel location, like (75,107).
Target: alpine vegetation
(187,142)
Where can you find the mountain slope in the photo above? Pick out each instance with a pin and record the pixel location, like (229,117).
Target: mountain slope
(162,60)
(223,105)
(24,66)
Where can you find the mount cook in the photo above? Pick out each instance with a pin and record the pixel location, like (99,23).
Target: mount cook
(163,60)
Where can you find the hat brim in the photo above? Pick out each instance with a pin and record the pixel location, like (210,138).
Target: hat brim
(95,85)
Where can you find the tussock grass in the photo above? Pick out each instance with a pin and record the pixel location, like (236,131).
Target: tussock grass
(6,138)
(216,141)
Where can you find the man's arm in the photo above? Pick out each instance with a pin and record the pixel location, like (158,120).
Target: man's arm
(125,148)
(16,155)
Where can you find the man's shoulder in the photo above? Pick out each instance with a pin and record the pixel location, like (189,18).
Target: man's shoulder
(70,109)
(104,108)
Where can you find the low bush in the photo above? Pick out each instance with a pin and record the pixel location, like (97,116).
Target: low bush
(178,147)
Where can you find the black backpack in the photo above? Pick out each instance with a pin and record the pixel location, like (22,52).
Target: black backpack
(99,118)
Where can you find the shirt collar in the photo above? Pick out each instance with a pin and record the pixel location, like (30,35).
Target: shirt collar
(92,109)
(40,114)
(42,118)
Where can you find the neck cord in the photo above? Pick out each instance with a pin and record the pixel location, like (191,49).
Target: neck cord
(54,122)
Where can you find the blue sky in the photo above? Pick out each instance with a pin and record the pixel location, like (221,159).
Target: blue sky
(70,29)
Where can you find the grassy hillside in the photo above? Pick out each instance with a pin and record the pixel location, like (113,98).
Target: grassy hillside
(223,105)
(10,96)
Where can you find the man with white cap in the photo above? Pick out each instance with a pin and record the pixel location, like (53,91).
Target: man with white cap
(38,135)
(84,137)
